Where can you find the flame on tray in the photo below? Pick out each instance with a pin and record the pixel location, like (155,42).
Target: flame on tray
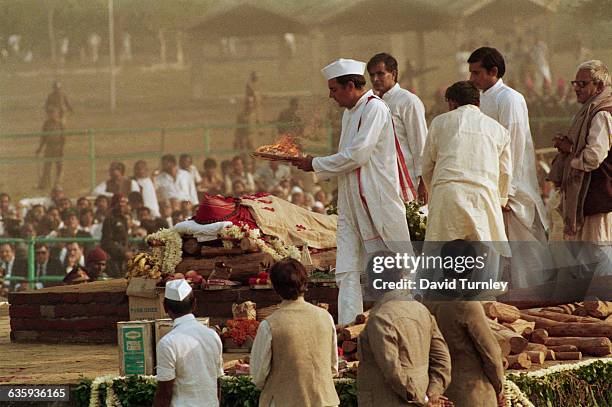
(286,146)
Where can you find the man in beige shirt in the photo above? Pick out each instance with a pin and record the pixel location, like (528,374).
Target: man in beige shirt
(295,356)
(404,360)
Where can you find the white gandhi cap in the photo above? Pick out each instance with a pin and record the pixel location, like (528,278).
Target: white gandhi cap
(343,67)
(177,290)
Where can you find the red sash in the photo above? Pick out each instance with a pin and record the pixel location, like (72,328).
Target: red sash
(406,185)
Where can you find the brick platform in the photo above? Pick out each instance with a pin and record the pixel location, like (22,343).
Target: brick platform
(88,313)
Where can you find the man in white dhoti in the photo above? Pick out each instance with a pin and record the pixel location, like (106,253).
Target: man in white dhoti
(407,111)
(583,168)
(525,215)
(371,213)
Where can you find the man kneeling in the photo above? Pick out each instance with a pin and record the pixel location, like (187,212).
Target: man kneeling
(294,356)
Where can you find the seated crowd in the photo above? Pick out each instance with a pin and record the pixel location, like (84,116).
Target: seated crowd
(125,206)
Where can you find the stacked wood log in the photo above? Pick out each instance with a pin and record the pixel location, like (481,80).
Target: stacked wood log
(563,332)
(348,334)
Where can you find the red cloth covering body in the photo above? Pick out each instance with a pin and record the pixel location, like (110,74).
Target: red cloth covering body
(218,208)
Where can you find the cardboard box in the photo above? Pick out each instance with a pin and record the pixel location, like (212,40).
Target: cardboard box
(146,300)
(136,348)
(163,326)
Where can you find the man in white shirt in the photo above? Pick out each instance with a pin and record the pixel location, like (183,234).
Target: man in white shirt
(298,337)
(408,114)
(147,188)
(186,163)
(174,183)
(371,185)
(525,216)
(270,176)
(467,196)
(189,357)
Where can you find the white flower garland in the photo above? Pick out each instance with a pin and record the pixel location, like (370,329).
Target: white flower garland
(516,398)
(94,398)
(276,248)
(170,254)
(111,396)
(568,366)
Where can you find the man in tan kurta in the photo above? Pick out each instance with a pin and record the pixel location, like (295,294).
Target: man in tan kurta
(583,168)
(404,360)
(295,355)
(477,374)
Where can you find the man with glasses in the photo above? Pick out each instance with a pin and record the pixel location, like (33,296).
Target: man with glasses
(525,216)
(583,167)
(45,265)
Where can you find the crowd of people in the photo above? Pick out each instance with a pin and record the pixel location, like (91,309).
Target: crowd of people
(133,205)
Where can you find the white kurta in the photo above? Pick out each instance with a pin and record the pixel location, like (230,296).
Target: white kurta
(508,107)
(180,188)
(467,193)
(149,197)
(369,148)
(529,260)
(408,115)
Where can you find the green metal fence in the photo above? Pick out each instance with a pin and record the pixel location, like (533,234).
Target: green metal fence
(31,277)
(206,143)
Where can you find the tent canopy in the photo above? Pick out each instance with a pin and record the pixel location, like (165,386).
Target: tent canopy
(246,20)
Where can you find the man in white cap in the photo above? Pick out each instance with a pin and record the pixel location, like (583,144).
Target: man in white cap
(189,357)
(372,184)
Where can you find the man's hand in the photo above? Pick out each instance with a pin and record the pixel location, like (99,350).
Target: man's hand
(422,192)
(303,163)
(562,144)
(439,401)
(501,399)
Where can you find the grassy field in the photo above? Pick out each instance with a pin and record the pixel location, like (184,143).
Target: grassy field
(146,98)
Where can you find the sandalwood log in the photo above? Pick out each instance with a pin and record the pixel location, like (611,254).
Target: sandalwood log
(581,311)
(598,309)
(362,318)
(538,336)
(598,351)
(588,346)
(208,251)
(520,326)
(349,347)
(540,322)
(555,316)
(501,311)
(191,246)
(520,361)
(517,342)
(550,355)
(564,348)
(243,266)
(352,332)
(558,309)
(504,345)
(581,329)
(568,355)
(537,357)
(608,319)
(536,347)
